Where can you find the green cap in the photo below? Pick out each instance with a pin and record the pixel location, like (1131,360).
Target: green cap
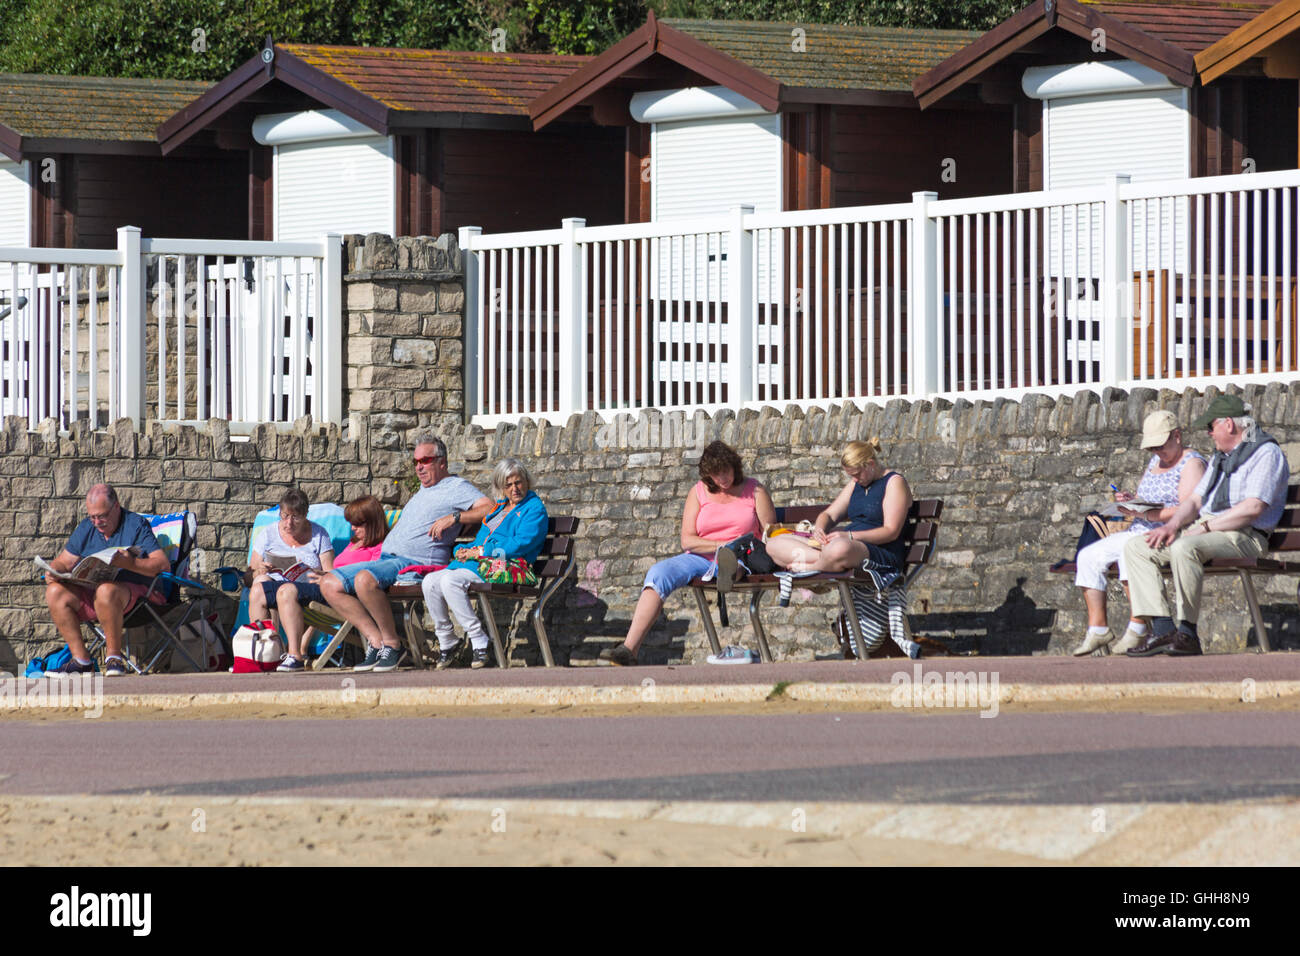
(1225,406)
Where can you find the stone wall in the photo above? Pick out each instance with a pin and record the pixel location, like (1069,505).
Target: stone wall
(402,355)
(1016,478)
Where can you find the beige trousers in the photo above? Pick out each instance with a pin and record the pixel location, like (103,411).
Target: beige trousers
(1185,559)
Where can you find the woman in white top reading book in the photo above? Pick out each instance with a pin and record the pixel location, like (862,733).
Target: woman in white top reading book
(285,552)
(1171,475)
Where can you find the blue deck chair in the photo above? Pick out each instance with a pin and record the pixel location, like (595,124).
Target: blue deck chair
(331,630)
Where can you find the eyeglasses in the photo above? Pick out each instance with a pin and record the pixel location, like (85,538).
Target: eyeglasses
(427,460)
(1210,427)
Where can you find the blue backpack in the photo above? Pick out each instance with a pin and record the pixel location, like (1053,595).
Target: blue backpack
(39,665)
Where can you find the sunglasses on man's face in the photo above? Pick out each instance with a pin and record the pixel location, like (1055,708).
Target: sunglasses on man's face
(426,460)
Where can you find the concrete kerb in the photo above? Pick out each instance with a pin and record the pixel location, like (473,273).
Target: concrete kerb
(882,695)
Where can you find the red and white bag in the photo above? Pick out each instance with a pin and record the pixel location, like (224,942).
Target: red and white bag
(257,648)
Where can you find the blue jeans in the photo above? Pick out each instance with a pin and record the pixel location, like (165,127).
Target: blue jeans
(668,575)
(384,571)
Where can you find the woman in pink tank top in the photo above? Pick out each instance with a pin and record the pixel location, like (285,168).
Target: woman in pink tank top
(722,506)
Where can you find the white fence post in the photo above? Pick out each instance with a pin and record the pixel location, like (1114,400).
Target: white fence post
(573,322)
(740,309)
(330,380)
(923,300)
(131,376)
(472,360)
(1115,366)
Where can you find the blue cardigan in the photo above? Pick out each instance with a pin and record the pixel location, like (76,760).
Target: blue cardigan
(520,535)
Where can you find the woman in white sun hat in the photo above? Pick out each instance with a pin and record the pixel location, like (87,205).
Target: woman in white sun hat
(1171,475)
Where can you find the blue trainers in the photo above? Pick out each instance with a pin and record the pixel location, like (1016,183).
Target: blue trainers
(290,665)
(114,667)
(731,654)
(71,667)
(389,658)
(369,661)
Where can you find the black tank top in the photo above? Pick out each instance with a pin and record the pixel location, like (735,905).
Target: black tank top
(867,511)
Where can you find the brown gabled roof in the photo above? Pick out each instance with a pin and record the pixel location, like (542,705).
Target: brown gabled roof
(1191,25)
(97,114)
(439,81)
(825,56)
(1160,34)
(385,87)
(768,62)
(1248,40)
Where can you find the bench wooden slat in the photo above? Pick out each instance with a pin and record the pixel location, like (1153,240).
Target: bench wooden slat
(931,508)
(563,524)
(1284,541)
(924,531)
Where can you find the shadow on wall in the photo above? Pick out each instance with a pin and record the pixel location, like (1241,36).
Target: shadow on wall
(1283,623)
(1016,626)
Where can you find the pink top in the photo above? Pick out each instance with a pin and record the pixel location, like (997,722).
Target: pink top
(725,519)
(354,555)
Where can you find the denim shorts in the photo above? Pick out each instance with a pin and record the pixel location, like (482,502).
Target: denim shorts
(384,571)
(672,573)
(307,592)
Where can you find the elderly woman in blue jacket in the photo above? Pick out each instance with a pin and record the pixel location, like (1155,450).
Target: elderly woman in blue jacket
(507,544)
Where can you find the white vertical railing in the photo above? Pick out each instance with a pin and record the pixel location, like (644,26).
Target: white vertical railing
(244,331)
(1116,284)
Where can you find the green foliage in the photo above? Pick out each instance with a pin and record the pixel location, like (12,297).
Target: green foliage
(932,14)
(157,38)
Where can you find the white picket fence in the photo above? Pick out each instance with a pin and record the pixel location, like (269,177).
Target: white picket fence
(1125,284)
(187,330)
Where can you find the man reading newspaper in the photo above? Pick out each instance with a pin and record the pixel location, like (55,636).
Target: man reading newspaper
(72,601)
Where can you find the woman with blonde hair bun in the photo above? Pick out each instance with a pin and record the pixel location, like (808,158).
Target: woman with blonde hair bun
(875,503)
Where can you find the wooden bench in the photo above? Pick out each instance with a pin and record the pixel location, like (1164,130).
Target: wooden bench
(556,561)
(1284,540)
(920,535)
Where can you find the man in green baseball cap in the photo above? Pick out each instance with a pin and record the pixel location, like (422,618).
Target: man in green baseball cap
(1234,507)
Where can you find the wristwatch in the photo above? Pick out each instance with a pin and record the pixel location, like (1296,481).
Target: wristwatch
(455,516)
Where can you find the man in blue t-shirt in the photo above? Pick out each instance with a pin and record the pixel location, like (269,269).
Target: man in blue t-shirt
(423,535)
(107,525)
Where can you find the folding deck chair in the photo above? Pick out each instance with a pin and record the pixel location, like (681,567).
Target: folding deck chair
(176,534)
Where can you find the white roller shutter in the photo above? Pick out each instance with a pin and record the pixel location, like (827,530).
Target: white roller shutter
(701,168)
(1145,135)
(15,204)
(704,167)
(335,186)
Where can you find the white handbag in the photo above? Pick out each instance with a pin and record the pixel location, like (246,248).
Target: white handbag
(257,648)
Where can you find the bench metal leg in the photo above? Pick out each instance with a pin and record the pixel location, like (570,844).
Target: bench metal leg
(764,652)
(855,626)
(1252,601)
(707,617)
(485,612)
(539,628)
(416,635)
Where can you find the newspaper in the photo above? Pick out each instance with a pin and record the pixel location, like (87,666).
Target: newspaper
(91,570)
(1112,510)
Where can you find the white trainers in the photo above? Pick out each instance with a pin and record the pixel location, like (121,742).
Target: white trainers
(1130,640)
(1098,645)
(731,654)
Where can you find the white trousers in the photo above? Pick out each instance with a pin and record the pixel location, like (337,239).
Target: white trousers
(446,592)
(1100,555)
